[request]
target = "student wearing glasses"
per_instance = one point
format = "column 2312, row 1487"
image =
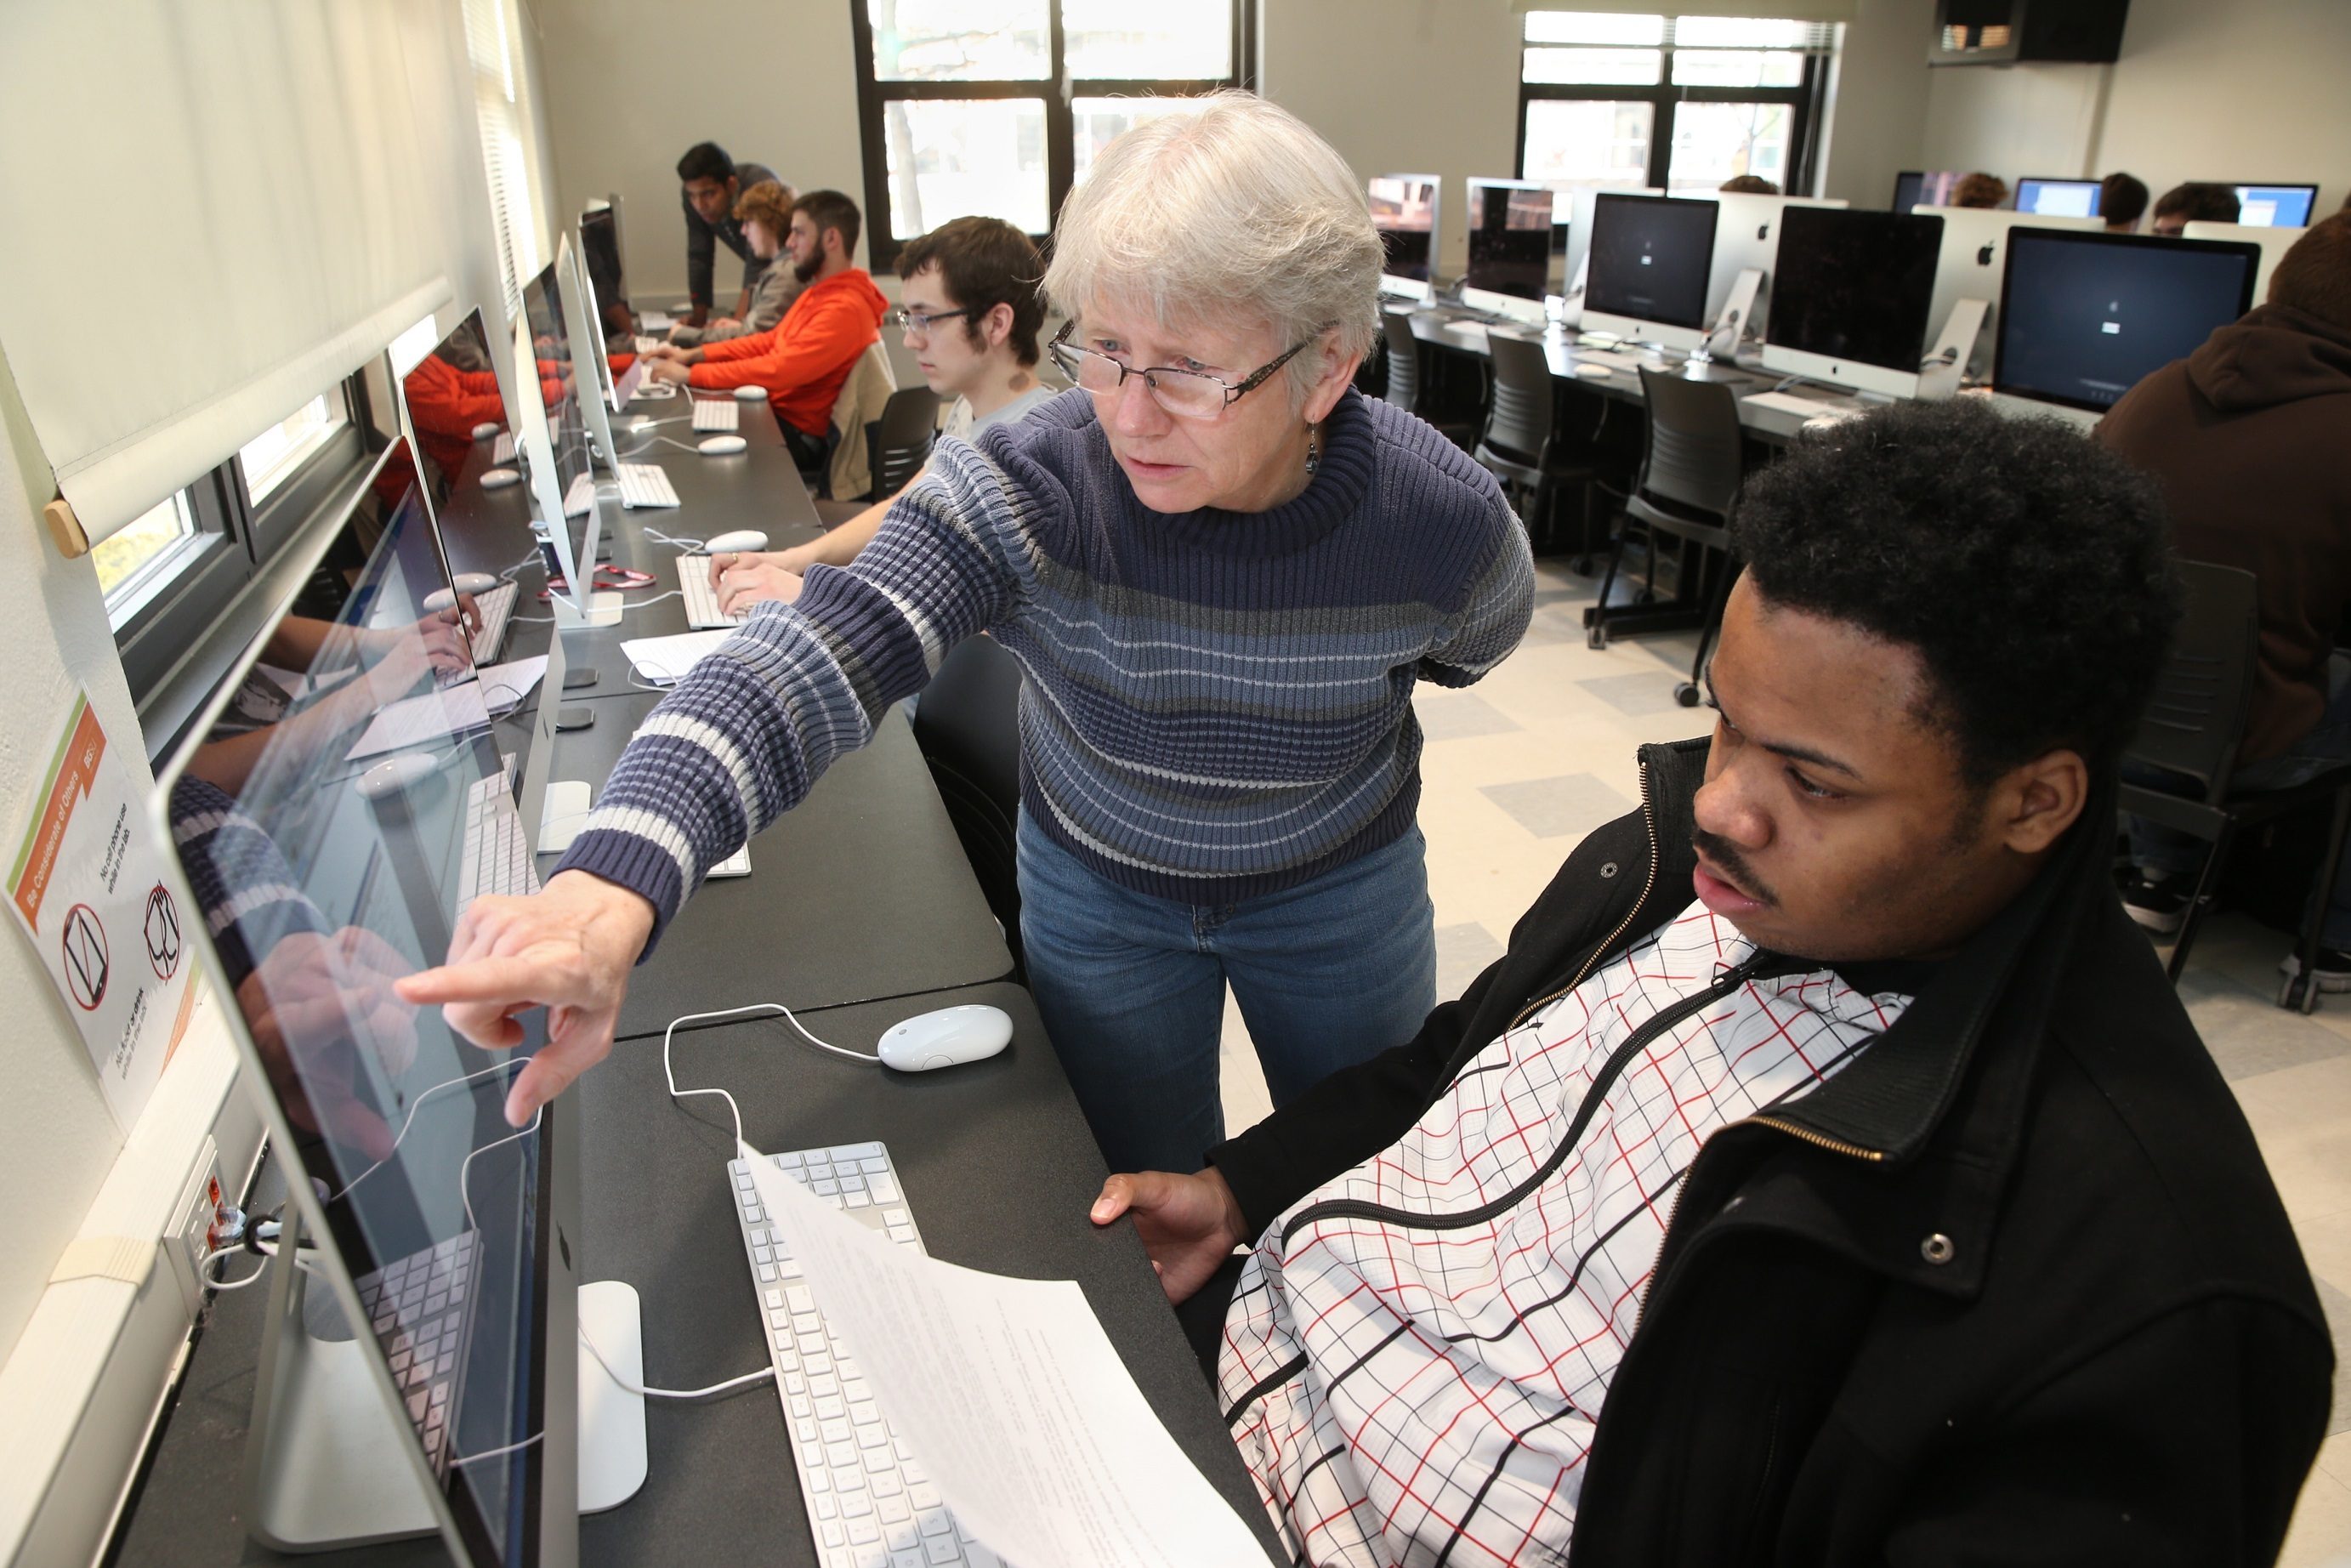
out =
column 1223, row 571
column 970, row 312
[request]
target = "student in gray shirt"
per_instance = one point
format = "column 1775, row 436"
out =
column 710, row 183
column 765, row 213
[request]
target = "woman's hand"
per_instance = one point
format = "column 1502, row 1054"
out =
column 567, row 948
column 1189, row 1224
column 742, row 580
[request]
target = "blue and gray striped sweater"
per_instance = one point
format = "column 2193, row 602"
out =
column 1217, row 705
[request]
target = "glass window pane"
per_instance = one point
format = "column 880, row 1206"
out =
column 950, row 158
column 1593, row 27
column 1713, row 141
column 1741, row 33
column 1737, row 68
column 122, row 556
column 271, row 457
column 1573, row 142
column 1173, row 40
column 1096, row 120
column 960, row 40
column 1615, row 67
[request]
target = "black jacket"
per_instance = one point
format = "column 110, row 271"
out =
column 2012, row 1287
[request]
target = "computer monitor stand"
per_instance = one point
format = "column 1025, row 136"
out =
column 327, row 1464
column 1941, row 371
column 603, row 609
column 1731, row 322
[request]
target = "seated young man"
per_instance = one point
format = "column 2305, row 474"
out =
column 804, row 359
column 765, row 213
column 2197, row 202
column 971, row 313
column 1826, row 1174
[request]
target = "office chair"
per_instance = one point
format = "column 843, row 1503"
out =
column 900, row 441
column 1405, row 390
column 967, row 722
column 1516, row 446
column 2193, row 725
column 1690, row 480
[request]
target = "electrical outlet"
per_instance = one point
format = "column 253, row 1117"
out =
column 194, row 1224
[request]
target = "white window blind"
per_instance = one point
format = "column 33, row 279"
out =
column 500, row 113
column 213, row 214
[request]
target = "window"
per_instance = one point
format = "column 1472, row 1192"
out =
column 1679, row 103
column 1000, row 107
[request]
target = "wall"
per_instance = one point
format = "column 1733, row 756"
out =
column 1874, row 128
column 630, row 88
column 2251, row 89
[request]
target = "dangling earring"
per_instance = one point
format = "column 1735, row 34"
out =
column 1313, row 455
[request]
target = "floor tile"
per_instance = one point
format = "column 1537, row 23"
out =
column 1553, row 808
column 2320, row 1536
column 2247, row 1033
column 1456, row 715
column 1463, row 952
column 1642, row 693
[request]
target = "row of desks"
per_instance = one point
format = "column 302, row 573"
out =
column 860, row 912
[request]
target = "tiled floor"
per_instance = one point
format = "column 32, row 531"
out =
column 1520, row 767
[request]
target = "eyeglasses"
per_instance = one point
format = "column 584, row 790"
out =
column 1188, row 394
column 919, row 321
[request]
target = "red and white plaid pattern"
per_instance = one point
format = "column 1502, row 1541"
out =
column 1452, row 1377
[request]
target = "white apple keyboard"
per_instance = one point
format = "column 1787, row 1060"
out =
column 642, row 484
column 701, row 600
column 870, row 1503
column 720, row 414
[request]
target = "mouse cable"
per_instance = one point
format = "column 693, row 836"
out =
column 670, row 1033
column 764, row 1374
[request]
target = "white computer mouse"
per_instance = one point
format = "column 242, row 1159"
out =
column 1596, row 372
column 499, row 478
column 737, row 542
column 946, row 1037
column 749, row 394
column 402, row 771
column 721, row 445
column 485, row 430
column 475, row 581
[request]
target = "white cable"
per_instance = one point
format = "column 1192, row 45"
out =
column 465, row 1166
column 689, row 545
column 670, row 1033
column 765, row 1373
column 641, row 450
column 496, row 1453
column 509, row 1065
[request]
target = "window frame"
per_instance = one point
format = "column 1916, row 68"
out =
column 1056, row 90
column 1806, row 98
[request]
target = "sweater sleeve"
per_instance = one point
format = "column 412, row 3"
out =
column 750, row 730
column 701, row 251
column 810, row 343
column 1493, row 616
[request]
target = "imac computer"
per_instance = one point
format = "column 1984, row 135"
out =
column 2046, row 198
column 1849, row 302
column 1746, row 239
column 2274, row 206
column 1975, row 249
column 419, row 1372
column 606, row 293
column 2273, row 242
column 565, row 333
column 1572, row 208
column 2086, row 316
column 1646, row 277
column 1404, row 211
column 553, row 440
column 1509, row 248
column 1913, row 188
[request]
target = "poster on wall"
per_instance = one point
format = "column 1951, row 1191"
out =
column 86, row 886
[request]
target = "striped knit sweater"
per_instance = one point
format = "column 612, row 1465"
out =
column 1217, row 705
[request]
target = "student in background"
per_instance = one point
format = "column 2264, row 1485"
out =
column 803, row 359
column 2246, row 436
column 2197, row 202
column 709, row 184
column 2122, row 202
column 970, row 312
column 1750, row 186
column 765, row 213
column 1980, row 190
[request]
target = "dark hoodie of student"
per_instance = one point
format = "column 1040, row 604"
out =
column 2247, row 436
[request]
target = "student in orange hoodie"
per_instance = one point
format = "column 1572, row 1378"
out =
column 805, row 357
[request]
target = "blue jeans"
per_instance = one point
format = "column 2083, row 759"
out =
column 2158, row 848
column 1132, row 987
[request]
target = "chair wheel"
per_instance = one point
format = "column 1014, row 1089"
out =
column 1647, row 596
column 1686, row 693
column 1581, row 566
column 1597, row 636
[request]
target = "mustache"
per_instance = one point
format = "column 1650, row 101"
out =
column 1723, row 855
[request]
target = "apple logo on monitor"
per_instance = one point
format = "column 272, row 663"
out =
column 1983, row 256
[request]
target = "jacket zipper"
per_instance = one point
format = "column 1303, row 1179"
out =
column 1648, row 822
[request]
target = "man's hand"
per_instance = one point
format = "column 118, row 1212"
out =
column 664, row 351
column 743, row 581
column 723, row 322
column 567, row 948
column 1189, row 1224
column 668, row 369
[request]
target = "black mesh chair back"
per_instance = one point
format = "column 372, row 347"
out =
column 1518, row 420
column 1404, row 360
column 900, row 440
column 967, row 722
column 2197, row 712
column 1693, row 461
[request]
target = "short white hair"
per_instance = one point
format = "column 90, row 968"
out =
column 1233, row 209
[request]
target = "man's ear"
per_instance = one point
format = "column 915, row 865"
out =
column 2037, row 801
column 996, row 325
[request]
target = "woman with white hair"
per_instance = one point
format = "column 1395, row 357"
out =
column 1222, row 571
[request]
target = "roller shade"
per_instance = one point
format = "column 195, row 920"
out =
column 214, row 212
column 1790, row 10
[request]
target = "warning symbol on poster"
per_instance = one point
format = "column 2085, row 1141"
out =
column 85, row 945
column 163, row 944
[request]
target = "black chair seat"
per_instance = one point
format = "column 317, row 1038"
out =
column 968, row 723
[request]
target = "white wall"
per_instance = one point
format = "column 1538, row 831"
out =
column 1874, row 128
column 628, row 88
column 2249, row 90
